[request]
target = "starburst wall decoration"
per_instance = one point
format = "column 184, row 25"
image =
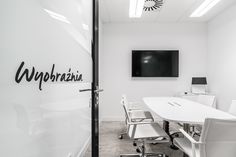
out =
column 153, row 5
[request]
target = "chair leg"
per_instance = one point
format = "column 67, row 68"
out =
column 121, row 136
column 155, row 155
column 130, row 155
column 142, row 152
column 134, row 143
column 172, row 136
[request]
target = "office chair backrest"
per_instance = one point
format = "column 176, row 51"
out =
column 208, row 100
column 124, row 103
column 232, row 108
column 219, row 138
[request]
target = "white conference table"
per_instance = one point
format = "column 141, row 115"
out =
column 174, row 109
column 180, row 110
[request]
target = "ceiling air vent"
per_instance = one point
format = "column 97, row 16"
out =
column 153, row 5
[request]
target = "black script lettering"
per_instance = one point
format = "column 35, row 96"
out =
column 46, row 77
column 28, row 77
column 79, row 77
column 39, row 75
column 73, row 77
column 57, row 76
column 68, row 75
column 52, row 76
column 42, row 77
column 63, row 76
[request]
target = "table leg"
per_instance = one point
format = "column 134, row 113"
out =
column 166, row 127
column 186, row 128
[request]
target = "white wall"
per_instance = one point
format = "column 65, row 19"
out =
column 221, row 65
column 120, row 39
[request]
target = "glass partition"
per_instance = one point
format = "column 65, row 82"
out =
column 45, row 59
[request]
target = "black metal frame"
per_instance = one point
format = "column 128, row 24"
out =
column 95, row 107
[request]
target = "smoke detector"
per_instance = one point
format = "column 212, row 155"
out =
column 153, row 5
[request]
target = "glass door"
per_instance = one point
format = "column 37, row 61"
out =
column 45, row 59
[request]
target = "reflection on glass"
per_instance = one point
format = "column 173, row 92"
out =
column 57, row 16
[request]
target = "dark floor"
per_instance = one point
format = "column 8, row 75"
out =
column 111, row 146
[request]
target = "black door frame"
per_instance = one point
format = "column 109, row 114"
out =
column 95, row 84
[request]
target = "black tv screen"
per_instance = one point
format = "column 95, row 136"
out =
column 155, row 63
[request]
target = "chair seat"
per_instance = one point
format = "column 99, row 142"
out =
column 150, row 131
column 185, row 145
column 140, row 115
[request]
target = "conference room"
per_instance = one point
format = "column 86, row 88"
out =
column 167, row 70
column 118, row 78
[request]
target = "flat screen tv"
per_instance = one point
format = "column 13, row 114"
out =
column 155, row 63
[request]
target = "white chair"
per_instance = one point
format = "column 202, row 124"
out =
column 208, row 100
column 144, row 132
column 218, row 139
column 136, row 114
column 232, row 108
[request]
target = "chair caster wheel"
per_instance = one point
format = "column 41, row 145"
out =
column 121, row 137
column 173, row 147
column 138, row 150
column 134, row 144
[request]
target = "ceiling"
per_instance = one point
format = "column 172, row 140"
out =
column 117, row 11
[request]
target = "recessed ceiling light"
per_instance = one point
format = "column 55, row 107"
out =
column 136, row 8
column 204, row 8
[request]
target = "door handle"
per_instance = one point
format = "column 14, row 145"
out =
column 87, row 90
column 98, row 90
